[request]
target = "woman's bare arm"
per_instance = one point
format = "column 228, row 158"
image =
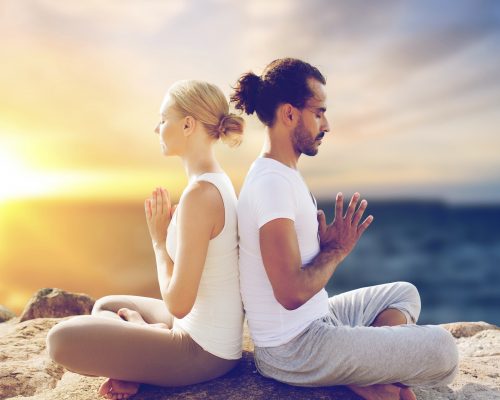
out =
column 199, row 217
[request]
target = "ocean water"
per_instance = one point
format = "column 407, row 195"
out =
column 450, row 253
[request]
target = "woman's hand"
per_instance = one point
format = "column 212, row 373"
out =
column 158, row 215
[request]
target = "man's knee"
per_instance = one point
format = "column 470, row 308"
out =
column 411, row 298
column 445, row 355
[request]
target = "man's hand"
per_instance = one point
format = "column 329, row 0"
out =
column 159, row 212
column 343, row 233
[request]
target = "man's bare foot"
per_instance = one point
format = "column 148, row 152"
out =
column 383, row 392
column 133, row 316
column 116, row 389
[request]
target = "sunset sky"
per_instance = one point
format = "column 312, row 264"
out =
column 413, row 92
column 413, row 102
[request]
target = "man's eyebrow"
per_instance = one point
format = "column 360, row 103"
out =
column 322, row 109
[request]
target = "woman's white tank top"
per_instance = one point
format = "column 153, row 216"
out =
column 216, row 320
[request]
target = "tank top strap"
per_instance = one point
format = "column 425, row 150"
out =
column 220, row 180
column 223, row 184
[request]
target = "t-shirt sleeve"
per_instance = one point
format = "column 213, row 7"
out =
column 273, row 198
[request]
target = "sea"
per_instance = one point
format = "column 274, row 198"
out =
column 451, row 253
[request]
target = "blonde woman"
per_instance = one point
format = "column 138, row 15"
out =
column 194, row 333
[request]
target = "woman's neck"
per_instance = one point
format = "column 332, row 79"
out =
column 200, row 162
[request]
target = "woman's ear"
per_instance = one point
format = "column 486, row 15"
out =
column 188, row 126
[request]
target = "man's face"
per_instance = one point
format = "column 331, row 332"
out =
column 312, row 124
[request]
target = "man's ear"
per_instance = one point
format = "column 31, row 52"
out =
column 288, row 114
column 188, row 126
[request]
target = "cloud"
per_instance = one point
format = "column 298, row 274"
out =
column 82, row 82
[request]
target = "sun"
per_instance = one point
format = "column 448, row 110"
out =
column 16, row 178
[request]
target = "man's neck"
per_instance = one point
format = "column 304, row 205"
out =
column 279, row 147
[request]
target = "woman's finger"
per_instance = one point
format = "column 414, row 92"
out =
column 167, row 197
column 155, row 203
column 147, row 208
column 162, row 206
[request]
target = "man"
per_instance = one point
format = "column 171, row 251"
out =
column 367, row 338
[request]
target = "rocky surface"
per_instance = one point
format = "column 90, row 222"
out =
column 56, row 303
column 26, row 371
column 5, row 314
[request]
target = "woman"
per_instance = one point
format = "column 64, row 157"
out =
column 194, row 333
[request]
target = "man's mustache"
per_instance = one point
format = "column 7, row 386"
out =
column 320, row 136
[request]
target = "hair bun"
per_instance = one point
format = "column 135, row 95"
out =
column 222, row 124
column 230, row 129
column 246, row 92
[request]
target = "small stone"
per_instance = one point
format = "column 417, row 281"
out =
column 56, row 303
column 467, row 329
column 5, row 314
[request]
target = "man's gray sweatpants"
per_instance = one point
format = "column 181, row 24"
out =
column 342, row 349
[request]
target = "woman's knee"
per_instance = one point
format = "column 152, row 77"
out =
column 103, row 303
column 58, row 341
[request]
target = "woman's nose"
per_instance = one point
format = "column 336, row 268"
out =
column 156, row 128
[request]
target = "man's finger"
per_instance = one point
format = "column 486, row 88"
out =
column 359, row 212
column 339, row 205
column 366, row 223
column 321, row 222
column 352, row 206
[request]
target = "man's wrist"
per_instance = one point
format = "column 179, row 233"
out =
column 335, row 254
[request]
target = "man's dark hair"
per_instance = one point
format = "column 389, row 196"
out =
column 282, row 81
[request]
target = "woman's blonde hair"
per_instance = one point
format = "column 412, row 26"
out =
column 207, row 104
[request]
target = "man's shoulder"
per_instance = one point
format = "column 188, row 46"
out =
column 262, row 171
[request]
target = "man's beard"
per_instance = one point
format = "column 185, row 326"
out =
column 303, row 143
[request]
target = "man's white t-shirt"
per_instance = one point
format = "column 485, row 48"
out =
column 272, row 190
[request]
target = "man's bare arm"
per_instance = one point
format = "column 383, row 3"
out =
column 293, row 283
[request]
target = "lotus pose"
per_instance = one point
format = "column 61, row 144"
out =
column 194, row 333
column 366, row 338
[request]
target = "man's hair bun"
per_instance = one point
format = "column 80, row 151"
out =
column 246, row 92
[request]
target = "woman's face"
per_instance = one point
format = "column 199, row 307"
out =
column 172, row 140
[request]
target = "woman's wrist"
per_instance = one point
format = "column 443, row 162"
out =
column 160, row 246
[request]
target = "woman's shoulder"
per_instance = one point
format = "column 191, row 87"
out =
column 202, row 195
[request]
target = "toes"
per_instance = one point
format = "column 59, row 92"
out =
column 408, row 394
column 104, row 388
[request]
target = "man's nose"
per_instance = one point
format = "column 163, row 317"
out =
column 157, row 128
column 326, row 126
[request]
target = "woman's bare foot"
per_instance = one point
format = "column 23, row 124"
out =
column 133, row 316
column 116, row 389
column 383, row 392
